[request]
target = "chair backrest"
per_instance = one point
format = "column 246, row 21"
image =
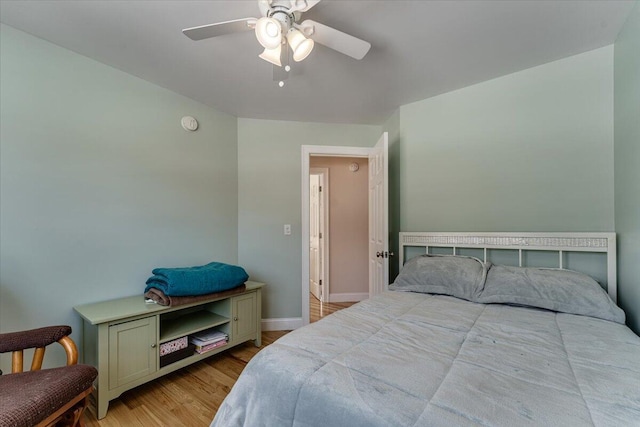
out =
column 38, row 339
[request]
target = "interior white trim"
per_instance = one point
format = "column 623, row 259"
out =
column 349, row 297
column 557, row 242
column 281, row 324
column 306, row 152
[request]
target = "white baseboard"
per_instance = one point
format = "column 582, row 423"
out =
column 355, row 297
column 281, row 324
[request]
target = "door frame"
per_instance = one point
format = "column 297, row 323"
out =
column 307, row 152
column 324, row 229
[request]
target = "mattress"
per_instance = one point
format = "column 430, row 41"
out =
column 411, row 359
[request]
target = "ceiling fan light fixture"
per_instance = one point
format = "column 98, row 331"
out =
column 300, row 45
column 272, row 55
column 269, row 32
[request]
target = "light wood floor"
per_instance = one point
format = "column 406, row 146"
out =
column 191, row 396
column 188, row 397
column 318, row 310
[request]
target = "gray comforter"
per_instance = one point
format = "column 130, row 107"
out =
column 405, row 359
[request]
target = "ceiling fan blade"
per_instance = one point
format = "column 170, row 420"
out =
column 305, row 4
column 219, row 28
column 335, row 39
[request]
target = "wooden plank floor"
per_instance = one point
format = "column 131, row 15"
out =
column 318, row 310
column 191, row 396
column 188, row 397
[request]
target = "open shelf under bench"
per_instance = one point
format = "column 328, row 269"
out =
column 191, row 323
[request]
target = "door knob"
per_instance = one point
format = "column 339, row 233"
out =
column 153, row 345
column 378, row 254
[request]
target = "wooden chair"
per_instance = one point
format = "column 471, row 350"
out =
column 43, row 397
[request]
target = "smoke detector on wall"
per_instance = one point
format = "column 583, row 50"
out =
column 189, row 123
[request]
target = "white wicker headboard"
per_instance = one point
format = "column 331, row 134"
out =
column 522, row 243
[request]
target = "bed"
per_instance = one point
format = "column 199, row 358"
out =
column 459, row 340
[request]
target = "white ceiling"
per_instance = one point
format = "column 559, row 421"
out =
column 419, row 49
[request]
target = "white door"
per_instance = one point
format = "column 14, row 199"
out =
column 314, row 236
column 378, row 217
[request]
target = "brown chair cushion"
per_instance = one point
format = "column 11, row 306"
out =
column 27, row 398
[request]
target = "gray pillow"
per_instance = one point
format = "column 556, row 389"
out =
column 565, row 291
column 459, row 276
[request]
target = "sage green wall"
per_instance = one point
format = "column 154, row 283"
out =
column 269, row 187
column 99, row 183
column 392, row 126
column 627, row 165
column 530, row 151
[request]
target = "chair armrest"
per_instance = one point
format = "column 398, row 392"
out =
column 34, row 338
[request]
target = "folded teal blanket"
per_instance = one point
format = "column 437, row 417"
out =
column 200, row 280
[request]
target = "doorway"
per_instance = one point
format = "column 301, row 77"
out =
column 378, row 262
column 338, row 232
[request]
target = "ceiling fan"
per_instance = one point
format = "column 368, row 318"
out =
column 280, row 26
